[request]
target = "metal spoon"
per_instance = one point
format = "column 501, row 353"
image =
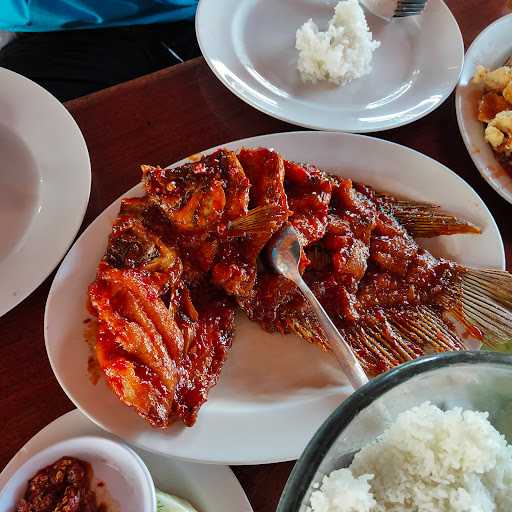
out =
column 284, row 255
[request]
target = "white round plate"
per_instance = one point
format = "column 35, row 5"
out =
column 274, row 391
column 250, row 46
column 45, row 181
column 208, row 488
column 491, row 49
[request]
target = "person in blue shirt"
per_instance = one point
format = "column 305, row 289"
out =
column 75, row 47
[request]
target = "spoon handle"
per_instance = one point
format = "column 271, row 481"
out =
column 341, row 349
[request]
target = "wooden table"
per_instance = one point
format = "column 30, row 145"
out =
column 161, row 118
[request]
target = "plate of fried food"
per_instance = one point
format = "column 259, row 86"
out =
column 332, row 65
column 166, row 327
column 484, row 105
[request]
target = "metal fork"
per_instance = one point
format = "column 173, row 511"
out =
column 284, row 255
column 409, row 8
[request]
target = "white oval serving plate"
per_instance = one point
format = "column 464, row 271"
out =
column 274, row 391
column 208, row 488
column 491, row 49
column 45, row 181
column 250, row 46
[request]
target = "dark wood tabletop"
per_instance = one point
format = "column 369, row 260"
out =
column 159, row 119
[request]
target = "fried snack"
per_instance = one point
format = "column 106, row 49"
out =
column 495, row 108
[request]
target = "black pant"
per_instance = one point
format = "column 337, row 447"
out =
column 73, row 63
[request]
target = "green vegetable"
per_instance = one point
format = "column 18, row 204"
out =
column 168, row 503
column 504, row 347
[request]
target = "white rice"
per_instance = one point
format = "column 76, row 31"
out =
column 427, row 461
column 342, row 53
column 342, row 492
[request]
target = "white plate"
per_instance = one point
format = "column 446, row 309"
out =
column 274, row 391
column 208, row 488
column 491, row 49
column 250, row 46
column 45, row 179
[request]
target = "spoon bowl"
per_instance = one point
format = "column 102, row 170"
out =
column 284, row 252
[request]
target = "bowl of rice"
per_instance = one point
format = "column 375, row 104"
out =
column 432, row 435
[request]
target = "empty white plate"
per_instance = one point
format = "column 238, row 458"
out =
column 491, row 49
column 274, row 391
column 45, row 179
column 208, row 488
column 250, row 46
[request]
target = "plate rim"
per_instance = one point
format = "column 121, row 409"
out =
column 318, row 126
column 24, row 292
column 243, row 460
column 501, row 191
column 24, row 453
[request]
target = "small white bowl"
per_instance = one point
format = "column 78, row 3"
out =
column 126, row 478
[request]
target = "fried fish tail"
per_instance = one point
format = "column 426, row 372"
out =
column 486, row 300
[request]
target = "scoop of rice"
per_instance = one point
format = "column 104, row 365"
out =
column 342, row 53
column 342, row 492
column 427, row 461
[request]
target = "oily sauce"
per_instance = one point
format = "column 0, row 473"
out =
column 64, row 486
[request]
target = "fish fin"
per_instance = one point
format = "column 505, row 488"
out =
column 486, row 297
column 374, row 356
column 308, row 329
column 258, row 220
column 425, row 328
column 427, row 220
column 389, row 338
column 401, row 335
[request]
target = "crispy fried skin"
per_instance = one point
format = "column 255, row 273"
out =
column 491, row 104
column 199, row 196
column 309, row 193
column 208, row 349
column 138, row 342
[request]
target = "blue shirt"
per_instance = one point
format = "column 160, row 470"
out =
column 50, row 15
